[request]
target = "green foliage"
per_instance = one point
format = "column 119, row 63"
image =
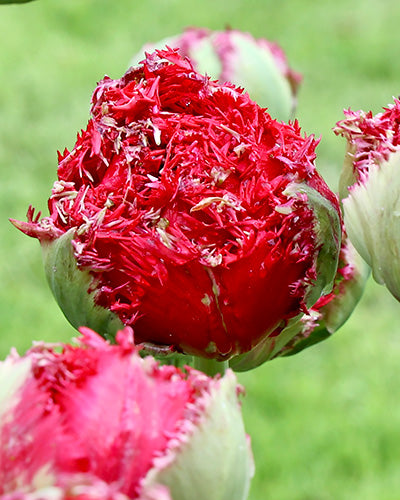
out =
column 325, row 424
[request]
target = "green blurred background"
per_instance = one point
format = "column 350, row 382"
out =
column 325, row 424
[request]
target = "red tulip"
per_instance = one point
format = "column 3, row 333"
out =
column 187, row 212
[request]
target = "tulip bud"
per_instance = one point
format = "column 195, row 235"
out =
column 192, row 215
column 370, row 189
column 97, row 421
column 257, row 65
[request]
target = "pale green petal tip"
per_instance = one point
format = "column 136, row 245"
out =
column 70, row 288
column 348, row 176
column 214, row 460
column 13, row 375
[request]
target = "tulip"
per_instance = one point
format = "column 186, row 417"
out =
column 370, row 190
column 98, row 421
column 258, row 65
column 185, row 211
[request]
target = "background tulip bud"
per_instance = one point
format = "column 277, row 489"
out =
column 257, row 65
column 98, row 421
column 194, row 216
column 370, row 190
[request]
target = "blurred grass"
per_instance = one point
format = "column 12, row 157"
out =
column 325, row 424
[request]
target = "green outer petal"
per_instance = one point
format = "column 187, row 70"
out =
column 372, row 220
column 267, row 349
column 70, row 288
column 336, row 312
column 329, row 235
column 318, row 335
column 215, row 461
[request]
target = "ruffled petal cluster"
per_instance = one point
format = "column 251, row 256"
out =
column 97, row 421
column 370, row 188
column 370, row 141
column 193, row 215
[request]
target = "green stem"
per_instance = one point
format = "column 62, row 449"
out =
column 210, row 366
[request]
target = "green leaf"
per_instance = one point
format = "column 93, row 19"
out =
column 14, row 1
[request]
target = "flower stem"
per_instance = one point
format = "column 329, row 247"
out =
column 210, row 367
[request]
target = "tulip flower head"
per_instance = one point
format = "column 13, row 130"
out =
column 97, row 421
column 258, row 65
column 370, row 189
column 185, row 211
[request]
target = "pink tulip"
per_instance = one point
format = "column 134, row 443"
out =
column 97, row 421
